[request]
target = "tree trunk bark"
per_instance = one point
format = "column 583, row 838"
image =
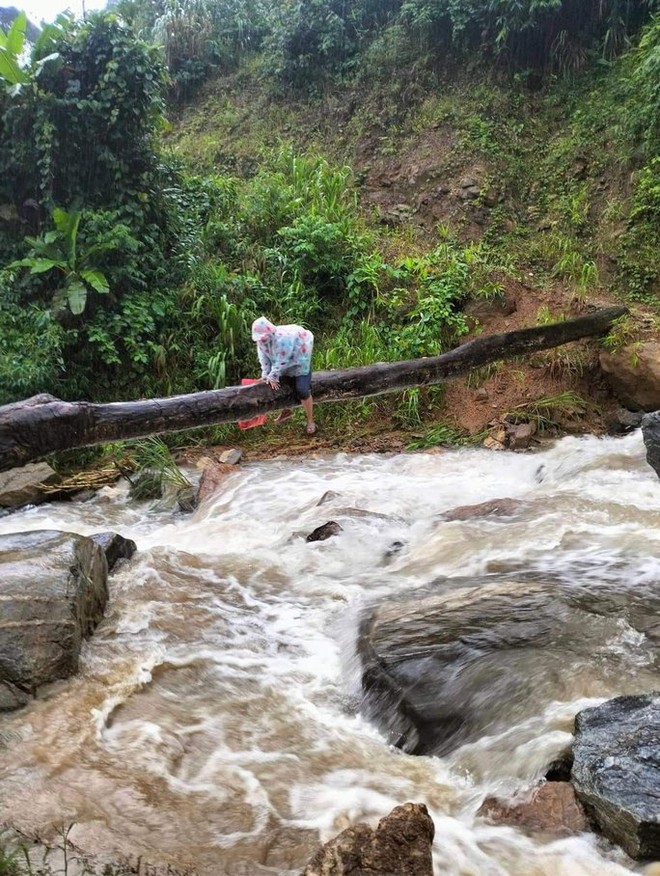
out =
column 44, row 424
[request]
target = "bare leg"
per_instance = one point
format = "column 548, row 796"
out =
column 308, row 406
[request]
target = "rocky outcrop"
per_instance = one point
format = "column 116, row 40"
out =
column 401, row 845
column 53, row 592
column 115, row 547
column 443, row 668
column 634, row 374
column 551, row 808
column 24, row 486
column 651, row 434
column 616, row 768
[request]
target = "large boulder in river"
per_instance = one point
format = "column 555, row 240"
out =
column 401, row 845
column 53, row 592
column 443, row 668
column 616, row 771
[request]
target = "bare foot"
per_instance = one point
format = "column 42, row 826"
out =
column 311, row 429
column 285, row 415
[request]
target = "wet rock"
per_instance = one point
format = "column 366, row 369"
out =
column 551, row 808
column 560, row 769
column 12, row 697
column 616, row 768
column 327, row 530
column 464, row 657
column 213, row 475
column 519, row 435
column 286, row 845
column 186, row 500
column 328, row 496
column 53, row 590
column 651, row 434
column 115, row 547
column 395, row 548
column 634, row 374
column 626, row 420
column 491, row 508
column 231, row 457
column 23, row 486
column 401, row 845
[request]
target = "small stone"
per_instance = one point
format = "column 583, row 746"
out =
column 231, row 457
column 552, row 808
column 327, row 530
column 519, row 436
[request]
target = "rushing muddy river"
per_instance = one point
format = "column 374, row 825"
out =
column 215, row 723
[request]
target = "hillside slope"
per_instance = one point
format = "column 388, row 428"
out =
column 536, row 179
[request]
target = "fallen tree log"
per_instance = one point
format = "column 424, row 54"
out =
column 44, row 424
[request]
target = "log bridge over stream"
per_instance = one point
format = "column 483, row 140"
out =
column 43, row 424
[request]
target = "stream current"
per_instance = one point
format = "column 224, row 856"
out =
column 215, row 722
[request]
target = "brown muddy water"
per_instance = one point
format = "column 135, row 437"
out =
column 215, row 724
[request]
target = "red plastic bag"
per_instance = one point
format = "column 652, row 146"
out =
column 260, row 419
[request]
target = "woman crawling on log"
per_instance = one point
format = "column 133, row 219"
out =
column 285, row 351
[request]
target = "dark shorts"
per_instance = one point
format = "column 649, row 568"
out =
column 302, row 386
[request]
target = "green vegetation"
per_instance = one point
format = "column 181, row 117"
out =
column 548, row 411
column 158, row 474
column 9, row 865
column 135, row 255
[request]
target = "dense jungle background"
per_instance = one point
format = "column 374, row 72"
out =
column 397, row 176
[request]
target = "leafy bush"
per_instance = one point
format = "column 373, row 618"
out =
column 32, row 343
column 86, row 134
column 638, row 250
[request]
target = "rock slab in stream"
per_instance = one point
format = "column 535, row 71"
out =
column 443, row 668
column 616, row 771
column 53, row 592
column 401, row 845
